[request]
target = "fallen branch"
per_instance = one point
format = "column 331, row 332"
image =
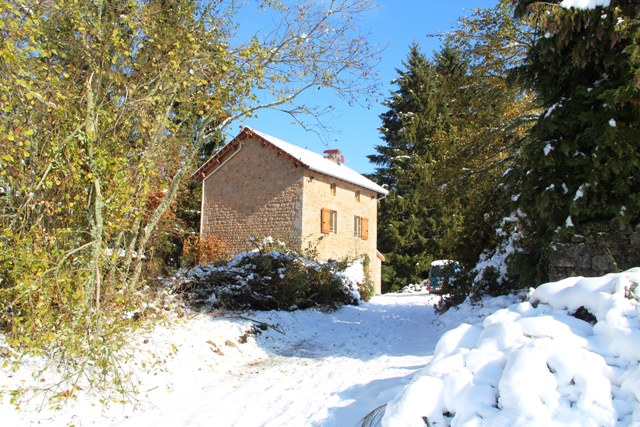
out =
column 261, row 325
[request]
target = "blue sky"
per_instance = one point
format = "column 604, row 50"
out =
column 395, row 24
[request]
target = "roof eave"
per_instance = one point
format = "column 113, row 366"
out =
column 375, row 187
column 203, row 171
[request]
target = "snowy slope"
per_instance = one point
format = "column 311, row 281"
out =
column 566, row 357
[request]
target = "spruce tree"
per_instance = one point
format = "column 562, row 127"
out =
column 411, row 220
column 580, row 167
column 453, row 128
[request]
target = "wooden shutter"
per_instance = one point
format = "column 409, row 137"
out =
column 365, row 228
column 325, row 221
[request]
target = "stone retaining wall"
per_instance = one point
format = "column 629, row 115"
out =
column 595, row 254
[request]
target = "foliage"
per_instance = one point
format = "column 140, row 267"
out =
column 366, row 288
column 579, row 167
column 265, row 279
column 197, row 251
column 373, row 418
column 453, row 128
column 410, row 219
column 175, row 242
column 491, row 128
column 104, row 106
column 455, row 290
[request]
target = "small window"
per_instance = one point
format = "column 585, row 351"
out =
column 361, row 227
column 334, row 222
column 358, row 196
column 328, row 221
column 333, row 189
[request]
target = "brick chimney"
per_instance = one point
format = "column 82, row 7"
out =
column 334, row 155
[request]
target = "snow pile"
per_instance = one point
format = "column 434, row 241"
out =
column 473, row 313
column 567, row 357
column 416, row 287
column 352, row 276
column 584, row 4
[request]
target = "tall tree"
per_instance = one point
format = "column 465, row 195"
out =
column 410, row 219
column 580, row 167
column 473, row 117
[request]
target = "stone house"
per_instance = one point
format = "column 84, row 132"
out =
column 259, row 186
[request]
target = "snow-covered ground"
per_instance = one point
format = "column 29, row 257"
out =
column 566, row 354
column 323, row 370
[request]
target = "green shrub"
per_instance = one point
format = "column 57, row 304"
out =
column 365, row 288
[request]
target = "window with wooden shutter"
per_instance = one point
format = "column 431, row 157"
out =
column 361, row 227
column 334, row 222
column 325, row 218
column 365, row 228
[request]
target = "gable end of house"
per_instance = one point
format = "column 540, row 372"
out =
column 211, row 165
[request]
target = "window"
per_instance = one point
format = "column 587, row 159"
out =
column 361, row 227
column 334, row 222
column 333, row 189
column 328, row 221
column 358, row 196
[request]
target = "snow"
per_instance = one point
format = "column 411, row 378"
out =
column 325, row 369
column 498, row 258
column 580, row 193
column 552, row 108
column 441, row 262
column 537, row 362
column 584, row 4
column 318, row 163
column 564, row 354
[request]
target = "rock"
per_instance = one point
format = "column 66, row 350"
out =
column 626, row 229
column 602, row 264
column 578, row 238
column 571, row 256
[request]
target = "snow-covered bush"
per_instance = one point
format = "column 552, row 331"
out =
column 275, row 280
column 490, row 275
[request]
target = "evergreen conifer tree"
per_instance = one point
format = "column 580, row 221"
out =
column 414, row 129
column 453, row 128
column 580, row 167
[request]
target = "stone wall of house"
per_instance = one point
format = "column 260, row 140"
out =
column 595, row 254
column 343, row 243
column 254, row 193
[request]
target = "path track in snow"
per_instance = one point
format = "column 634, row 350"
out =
column 328, row 370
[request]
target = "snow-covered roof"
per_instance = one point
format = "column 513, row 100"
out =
column 309, row 159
